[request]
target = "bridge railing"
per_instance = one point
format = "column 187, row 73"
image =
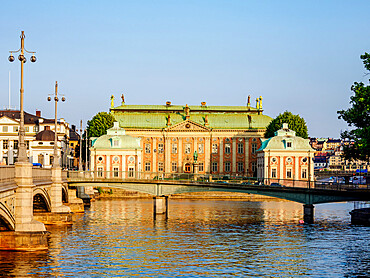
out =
column 41, row 175
column 208, row 178
column 330, row 184
column 136, row 175
column 7, row 174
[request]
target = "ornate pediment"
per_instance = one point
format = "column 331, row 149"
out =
column 188, row 126
column 7, row 120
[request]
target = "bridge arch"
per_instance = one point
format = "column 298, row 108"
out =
column 41, row 200
column 65, row 196
column 7, row 222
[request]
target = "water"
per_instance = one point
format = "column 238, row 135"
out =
column 201, row 238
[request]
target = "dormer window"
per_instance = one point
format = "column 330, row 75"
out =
column 115, row 143
column 288, row 143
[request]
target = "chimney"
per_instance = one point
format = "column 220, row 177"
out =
column 38, row 113
column 203, row 103
column 168, row 103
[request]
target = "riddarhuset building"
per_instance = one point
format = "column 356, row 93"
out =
column 222, row 139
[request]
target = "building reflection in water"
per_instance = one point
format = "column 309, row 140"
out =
column 200, row 238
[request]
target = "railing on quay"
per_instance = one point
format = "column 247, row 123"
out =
column 117, row 176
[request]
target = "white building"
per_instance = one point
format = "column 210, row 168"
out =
column 286, row 159
column 9, row 127
column 116, row 154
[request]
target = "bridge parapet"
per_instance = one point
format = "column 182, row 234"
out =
column 40, row 175
column 7, row 175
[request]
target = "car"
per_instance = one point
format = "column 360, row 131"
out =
column 276, row 184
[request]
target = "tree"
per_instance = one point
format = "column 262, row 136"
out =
column 295, row 123
column 99, row 124
column 358, row 117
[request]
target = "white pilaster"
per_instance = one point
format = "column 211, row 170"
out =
column 221, row 150
column 154, row 161
column 233, row 157
column 207, row 155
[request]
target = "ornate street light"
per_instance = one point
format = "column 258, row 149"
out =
column 22, row 151
column 80, row 159
column 56, row 99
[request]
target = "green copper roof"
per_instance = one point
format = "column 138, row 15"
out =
column 283, row 136
column 116, row 133
column 219, row 117
column 125, row 142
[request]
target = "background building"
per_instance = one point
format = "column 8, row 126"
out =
column 9, row 127
column 225, row 138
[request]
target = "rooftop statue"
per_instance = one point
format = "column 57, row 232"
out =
column 112, row 101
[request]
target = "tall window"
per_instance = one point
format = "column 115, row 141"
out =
column 130, row 172
column 201, row 167
column 27, row 129
column 214, row 148
column 240, row 167
column 201, row 148
column 187, row 148
column 227, row 167
column 115, row 172
column 5, row 144
column 15, row 146
column 304, row 173
column 227, row 148
column 100, row 172
column 36, row 129
column 147, row 148
column 174, row 147
column 214, row 167
column 273, row 173
column 5, row 129
column 254, row 166
column 40, row 159
column 160, row 166
column 254, row 147
column 15, row 129
column 51, row 159
column 147, row 166
column 160, row 148
column 289, row 173
column 240, row 148
column 174, row 166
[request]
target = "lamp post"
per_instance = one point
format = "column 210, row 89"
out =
column 86, row 148
column 56, row 99
column 80, row 160
column 22, row 152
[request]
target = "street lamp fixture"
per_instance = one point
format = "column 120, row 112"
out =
column 22, row 151
column 56, row 99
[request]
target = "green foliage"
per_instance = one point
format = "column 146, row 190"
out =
column 295, row 123
column 358, row 117
column 99, row 124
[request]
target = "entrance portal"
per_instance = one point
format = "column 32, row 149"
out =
column 187, row 168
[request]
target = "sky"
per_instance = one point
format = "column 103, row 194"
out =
column 300, row 56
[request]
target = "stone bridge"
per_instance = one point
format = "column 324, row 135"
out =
column 28, row 194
